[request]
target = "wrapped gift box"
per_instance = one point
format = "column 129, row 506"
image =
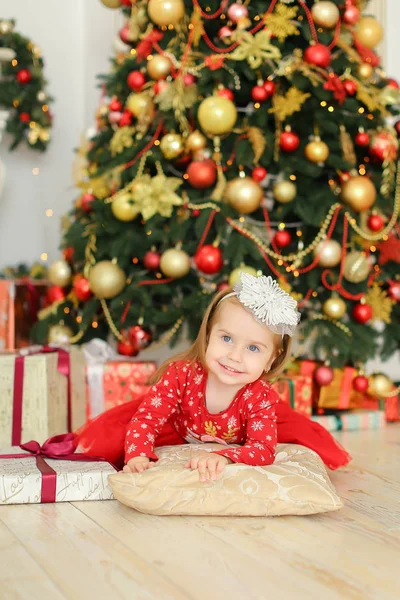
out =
column 296, row 387
column 116, row 382
column 41, row 395
column 353, row 420
column 20, row 301
column 22, row 479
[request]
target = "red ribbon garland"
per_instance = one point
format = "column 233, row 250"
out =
column 60, row 447
column 63, row 366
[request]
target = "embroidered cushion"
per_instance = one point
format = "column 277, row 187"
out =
column 296, row 484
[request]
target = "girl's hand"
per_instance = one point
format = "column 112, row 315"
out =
column 138, row 464
column 209, row 465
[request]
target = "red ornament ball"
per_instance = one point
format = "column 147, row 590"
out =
column 68, row 253
column 362, row 313
column 55, row 293
column 151, row 260
column 196, row 212
column 282, row 238
column 375, row 222
column 24, row 76
column 383, row 147
column 224, row 32
column 139, row 337
column 237, row 11
column 136, row 80
column 362, row 139
column 289, row 141
column 125, row 35
column 259, row 173
column 126, row 349
column 318, row 55
column 344, row 176
column 24, row 117
column 224, row 285
column 351, row 15
column 323, row 375
column 82, row 289
column 160, row 86
column 86, row 202
column 393, row 83
column 226, row 93
column 189, row 79
column 201, row 173
column 126, row 2
column 350, row 86
column 270, row 87
column 397, row 127
column 126, row 119
column 259, row 93
column 360, row 383
column 209, row 259
column 115, row 105
column 394, row 290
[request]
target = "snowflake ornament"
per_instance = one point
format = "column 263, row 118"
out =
column 268, row 302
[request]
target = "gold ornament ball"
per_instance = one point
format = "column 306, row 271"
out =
column 365, row 71
column 106, row 279
column 369, row 32
column 196, row 141
column 171, row 145
column 217, row 115
column 111, row 3
column 159, row 67
column 60, row 273
column 316, row 151
column 329, row 252
column 285, row 191
column 334, row 308
column 359, row 193
column 123, row 208
column 380, row 385
column 175, row 263
column 356, row 267
column 234, row 277
column 325, row 14
column 244, row 194
column 166, row 12
column 140, row 104
column 59, row 334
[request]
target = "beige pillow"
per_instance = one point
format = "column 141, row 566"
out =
column 296, row 484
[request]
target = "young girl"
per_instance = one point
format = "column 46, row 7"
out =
column 218, row 391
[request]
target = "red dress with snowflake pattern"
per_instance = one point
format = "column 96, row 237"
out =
column 174, row 411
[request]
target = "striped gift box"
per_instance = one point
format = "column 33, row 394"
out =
column 352, row 421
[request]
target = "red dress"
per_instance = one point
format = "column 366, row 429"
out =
column 174, row 411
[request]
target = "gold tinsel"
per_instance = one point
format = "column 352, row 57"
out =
column 198, row 29
column 219, row 189
column 156, row 195
column 284, row 106
column 380, row 303
column 388, row 178
column 122, row 138
column 346, row 142
column 257, row 140
column 37, row 132
column 280, row 22
column 97, row 186
column 178, row 97
column 256, row 49
column 370, row 97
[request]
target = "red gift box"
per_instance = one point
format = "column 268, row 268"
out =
column 20, row 301
column 296, row 390
column 116, row 382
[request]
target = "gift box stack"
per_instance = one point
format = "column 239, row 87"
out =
column 338, row 406
column 42, row 395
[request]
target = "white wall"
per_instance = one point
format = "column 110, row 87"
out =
column 76, row 41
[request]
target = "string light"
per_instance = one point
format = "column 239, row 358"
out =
column 79, row 319
column 14, row 62
column 95, row 324
column 49, row 212
column 43, row 256
column 66, row 310
column 35, row 171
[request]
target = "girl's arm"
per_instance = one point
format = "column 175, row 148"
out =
column 261, row 438
column 161, row 401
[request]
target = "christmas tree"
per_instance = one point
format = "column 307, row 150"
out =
column 257, row 136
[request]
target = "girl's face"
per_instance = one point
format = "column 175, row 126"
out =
column 239, row 349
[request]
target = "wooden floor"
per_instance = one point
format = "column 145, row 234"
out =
column 96, row 550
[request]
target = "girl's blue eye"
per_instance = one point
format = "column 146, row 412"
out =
column 226, row 338
column 254, row 348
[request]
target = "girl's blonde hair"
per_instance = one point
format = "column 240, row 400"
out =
column 197, row 351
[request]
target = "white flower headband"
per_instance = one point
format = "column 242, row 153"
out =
column 268, row 302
